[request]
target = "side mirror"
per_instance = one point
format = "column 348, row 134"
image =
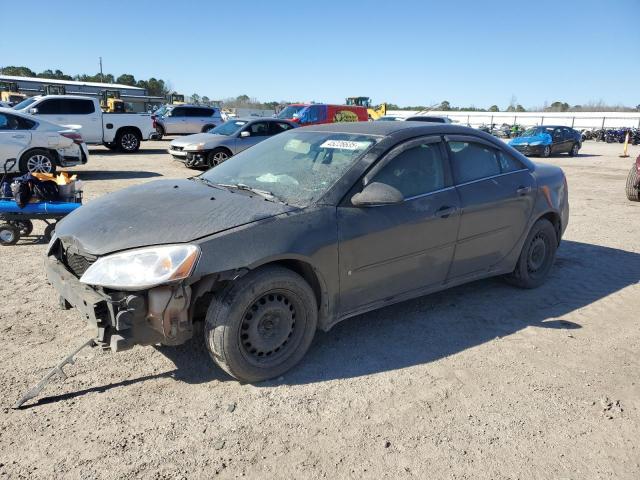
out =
column 33, row 111
column 245, row 134
column 376, row 194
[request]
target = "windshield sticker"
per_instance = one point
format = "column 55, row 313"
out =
column 345, row 145
column 297, row 146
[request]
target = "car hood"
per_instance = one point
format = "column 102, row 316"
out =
column 545, row 138
column 206, row 138
column 160, row 212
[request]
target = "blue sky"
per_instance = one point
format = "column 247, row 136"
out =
column 403, row 52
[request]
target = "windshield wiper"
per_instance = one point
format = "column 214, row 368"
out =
column 206, row 181
column 246, row 188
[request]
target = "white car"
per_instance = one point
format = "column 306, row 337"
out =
column 38, row 145
column 123, row 131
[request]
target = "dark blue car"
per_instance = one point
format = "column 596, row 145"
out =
column 545, row 140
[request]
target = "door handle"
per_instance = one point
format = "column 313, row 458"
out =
column 445, row 212
column 17, row 136
column 523, row 190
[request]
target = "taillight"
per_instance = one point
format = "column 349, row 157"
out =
column 76, row 137
column 155, row 124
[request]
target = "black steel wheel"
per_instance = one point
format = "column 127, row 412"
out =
column 262, row 324
column 575, row 148
column 24, row 226
column 537, row 256
column 546, row 151
column 48, row 231
column 9, row 234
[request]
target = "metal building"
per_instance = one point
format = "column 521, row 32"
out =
column 136, row 98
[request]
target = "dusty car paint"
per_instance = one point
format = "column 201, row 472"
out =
column 355, row 259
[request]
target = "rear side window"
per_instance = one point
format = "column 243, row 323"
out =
column 198, row 112
column 11, row 122
column 415, row 171
column 473, row 161
column 76, row 107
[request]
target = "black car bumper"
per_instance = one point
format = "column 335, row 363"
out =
column 119, row 318
column 530, row 149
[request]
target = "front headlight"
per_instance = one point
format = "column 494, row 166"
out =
column 197, row 147
column 535, row 144
column 143, row 268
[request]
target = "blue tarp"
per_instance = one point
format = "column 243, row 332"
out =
column 44, row 208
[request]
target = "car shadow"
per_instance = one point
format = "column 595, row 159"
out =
column 432, row 327
column 114, row 174
column 142, row 151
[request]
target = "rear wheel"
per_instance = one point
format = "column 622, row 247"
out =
column 633, row 192
column 159, row 131
column 24, row 226
column 217, row 156
column 262, row 324
column 536, row 257
column 38, row 161
column 128, row 141
column 9, row 234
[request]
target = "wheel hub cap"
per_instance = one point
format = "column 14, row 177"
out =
column 537, row 254
column 6, row 236
column 39, row 164
column 129, row 141
column 267, row 326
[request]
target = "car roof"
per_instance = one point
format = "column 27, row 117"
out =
column 174, row 105
column 389, row 128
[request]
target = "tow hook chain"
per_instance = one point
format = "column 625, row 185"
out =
column 35, row 391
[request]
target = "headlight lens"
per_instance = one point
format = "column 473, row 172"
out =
column 196, row 147
column 535, row 144
column 143, row 268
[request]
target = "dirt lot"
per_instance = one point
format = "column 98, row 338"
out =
column 480, row 382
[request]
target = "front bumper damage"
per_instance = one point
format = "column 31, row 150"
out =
column 530, row 150
column 190, row 158
column 123, row 319
column 73, row 155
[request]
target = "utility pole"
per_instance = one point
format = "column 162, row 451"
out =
column 101, row 76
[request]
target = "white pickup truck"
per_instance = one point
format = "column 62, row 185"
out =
column 121, row 131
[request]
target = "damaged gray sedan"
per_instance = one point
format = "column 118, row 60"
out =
column 304, row 230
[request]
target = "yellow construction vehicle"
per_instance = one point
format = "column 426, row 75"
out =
column 374, row 112
column 111, row 102
column 54, row 90
column 176, row 99
column 9, row 92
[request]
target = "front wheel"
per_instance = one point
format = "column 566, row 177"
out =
column 128, row 142
column 574, row 150
column 536, row 257
column 633, row 192
column 262, row 324
column 546, row 151
column 217, row 156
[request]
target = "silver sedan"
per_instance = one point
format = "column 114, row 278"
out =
column 215, row 146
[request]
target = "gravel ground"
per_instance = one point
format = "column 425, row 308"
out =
column 483, row 381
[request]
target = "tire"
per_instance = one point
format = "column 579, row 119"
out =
column 38, row 160
column 546, row 151
column 206, row 128
column 217, row 156
column 160, row 132
column 9, row 234
column 575, row 148
column 537, row 256
column 24, row 226
column 128, row 141
column 261, row 325
column 633, row 193
column 48, row 231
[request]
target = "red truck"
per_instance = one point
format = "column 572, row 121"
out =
column 317, row 113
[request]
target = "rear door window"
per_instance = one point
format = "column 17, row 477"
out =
column 473, row 161
column 279, row 127
column 259, row 129
column 74, row 106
